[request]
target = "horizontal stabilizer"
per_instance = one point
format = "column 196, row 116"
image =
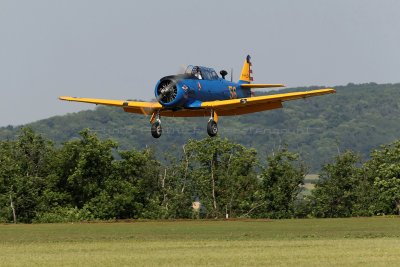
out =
column 253, row 85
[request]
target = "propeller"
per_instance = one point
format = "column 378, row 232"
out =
column 231, row 74
column 167, row 91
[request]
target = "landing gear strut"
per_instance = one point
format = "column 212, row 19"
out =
column 156, row 129
column 212, row 128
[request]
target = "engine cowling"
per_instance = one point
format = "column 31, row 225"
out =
column 169, row 92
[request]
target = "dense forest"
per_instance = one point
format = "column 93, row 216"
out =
column 81, row 180
column 103, row 164
column 357, row 118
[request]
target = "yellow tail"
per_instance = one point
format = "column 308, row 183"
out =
column 247, row 72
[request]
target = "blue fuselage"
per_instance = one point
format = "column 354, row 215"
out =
column 191, row 91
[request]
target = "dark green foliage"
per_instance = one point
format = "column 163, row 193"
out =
column 86, row 166
column 347, row 188
column 134, row 187
column 335, row 193
column 223, row 176
column 25, row 164
column 78, row 181
column 384, row 171
column 280, row 185
column 176, row 186
column 81, row 180
column 358, row 117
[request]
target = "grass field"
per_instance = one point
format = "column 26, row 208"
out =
column 355, row 241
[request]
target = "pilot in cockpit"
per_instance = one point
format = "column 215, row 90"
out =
column 196, row 72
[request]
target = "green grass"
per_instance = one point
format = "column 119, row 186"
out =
column 356, row 241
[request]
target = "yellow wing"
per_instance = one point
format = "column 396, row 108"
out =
column 146, row 108
column 221, row 107
column 259, row 103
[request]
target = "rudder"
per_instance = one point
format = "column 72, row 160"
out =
column 247, row 72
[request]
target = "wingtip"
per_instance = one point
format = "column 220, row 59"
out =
column 66, row 97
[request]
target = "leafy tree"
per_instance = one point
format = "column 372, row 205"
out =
column 384, row 169
column 335, row 192
column 8, row 170
column 81, row 180
column 133, row 191
column 84, row 166
column 223, row 176
column 175, row 185
column 25, row 164
column 280, row 185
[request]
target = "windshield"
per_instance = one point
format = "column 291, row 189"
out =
column 214, row 75
column 189, row 70
column 201, row 72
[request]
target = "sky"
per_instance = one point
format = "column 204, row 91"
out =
column 119, row 49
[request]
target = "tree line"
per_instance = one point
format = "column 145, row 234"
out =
column 89, row 179
column 355, row 116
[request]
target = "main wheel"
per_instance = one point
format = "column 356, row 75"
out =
column 212, row 128
column 156, row 129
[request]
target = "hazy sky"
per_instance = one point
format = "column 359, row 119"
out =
column 119, row 49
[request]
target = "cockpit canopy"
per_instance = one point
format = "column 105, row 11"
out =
column 201, row 73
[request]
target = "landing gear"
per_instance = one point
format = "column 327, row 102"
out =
column 156, row 129
column 212, row 128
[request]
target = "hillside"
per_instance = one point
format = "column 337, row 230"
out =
column 358, row 117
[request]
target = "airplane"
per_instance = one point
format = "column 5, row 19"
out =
column 200, row 92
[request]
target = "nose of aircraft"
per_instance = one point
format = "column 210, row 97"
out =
column 168, row 92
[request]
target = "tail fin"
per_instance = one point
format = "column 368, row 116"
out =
column 247, row 72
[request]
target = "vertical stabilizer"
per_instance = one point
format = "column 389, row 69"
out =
column 247, row 72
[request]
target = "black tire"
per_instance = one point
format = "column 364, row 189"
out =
column 156, row 129
column 212, row 128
